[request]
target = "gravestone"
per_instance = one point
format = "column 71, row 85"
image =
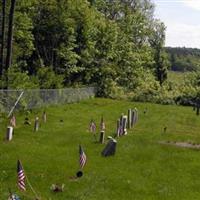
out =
column 36, row 125
column 124, row 124
column 9, row 133
column 134, row 117
column 129, row 118
column 118, row 132
column 102, row 137
column 110, row 148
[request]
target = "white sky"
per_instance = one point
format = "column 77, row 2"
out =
column 182, row 19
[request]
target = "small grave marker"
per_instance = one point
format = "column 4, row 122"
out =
column 102, row 137
column 129, row 118
column 9, row 133
column 36, row 125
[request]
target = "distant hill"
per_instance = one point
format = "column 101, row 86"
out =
column 184, row 59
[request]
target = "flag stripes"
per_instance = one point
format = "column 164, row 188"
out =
column 82, row 157
column 92, row 127
column 21, row 176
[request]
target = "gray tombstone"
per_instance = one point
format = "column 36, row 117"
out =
column 36, row 125
column 136, row 116
column 9, row 133
column 129, row 118
column 124, row 124
column 133, row 118
column 102, row 137
column 118, row 132
column 110, row 148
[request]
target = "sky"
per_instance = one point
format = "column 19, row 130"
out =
column 182, row 19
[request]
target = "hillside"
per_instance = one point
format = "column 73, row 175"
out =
column 141, row 169
column 184, row 59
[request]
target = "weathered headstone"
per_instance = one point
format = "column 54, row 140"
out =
column 133, row 118
column 9, row 133
column 129, row 118
column 119, row 128
column 110, row 148
column 102, row 137
column 36, row 125
column 124, row 124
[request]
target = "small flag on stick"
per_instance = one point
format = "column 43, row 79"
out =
column 102, row 125
column 82, row 157
column 92, row 126
column 13, row 121
column 21, row 176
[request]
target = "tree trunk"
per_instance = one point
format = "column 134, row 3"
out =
column 10, row 38
column 2, row 36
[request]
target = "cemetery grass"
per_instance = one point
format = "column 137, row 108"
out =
column 142, row 169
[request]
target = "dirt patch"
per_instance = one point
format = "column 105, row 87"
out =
column 182, row 144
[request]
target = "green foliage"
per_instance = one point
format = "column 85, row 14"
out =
column 48, row 79
column 20, row 80
column 184, row 59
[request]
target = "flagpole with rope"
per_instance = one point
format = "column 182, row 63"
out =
column 34, row 192
column 31, row 187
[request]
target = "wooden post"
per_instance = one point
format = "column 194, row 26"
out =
column 102, row 137
column 197, row 111
column 36, row 125
column 9, row 133
column 44, row 117
column 129, row 118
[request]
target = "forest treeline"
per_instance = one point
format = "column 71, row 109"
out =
column 183, row 59
column 59, row 43
column 116, row 45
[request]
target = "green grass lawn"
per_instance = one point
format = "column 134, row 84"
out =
column 142, row 169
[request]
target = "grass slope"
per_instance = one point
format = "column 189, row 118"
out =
column 142, row 169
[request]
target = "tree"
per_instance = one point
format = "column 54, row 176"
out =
column 10, row 37
column 2, row 36
column 157, row 41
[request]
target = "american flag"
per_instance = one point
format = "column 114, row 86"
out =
column 92, row 126
column 13, row 121
column 21, row 176
column 82, row 158
column 102, row 125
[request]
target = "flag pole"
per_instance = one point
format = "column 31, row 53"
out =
column 26, row 177
column 36, row 195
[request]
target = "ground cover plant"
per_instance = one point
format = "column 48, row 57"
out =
column 142, row 168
